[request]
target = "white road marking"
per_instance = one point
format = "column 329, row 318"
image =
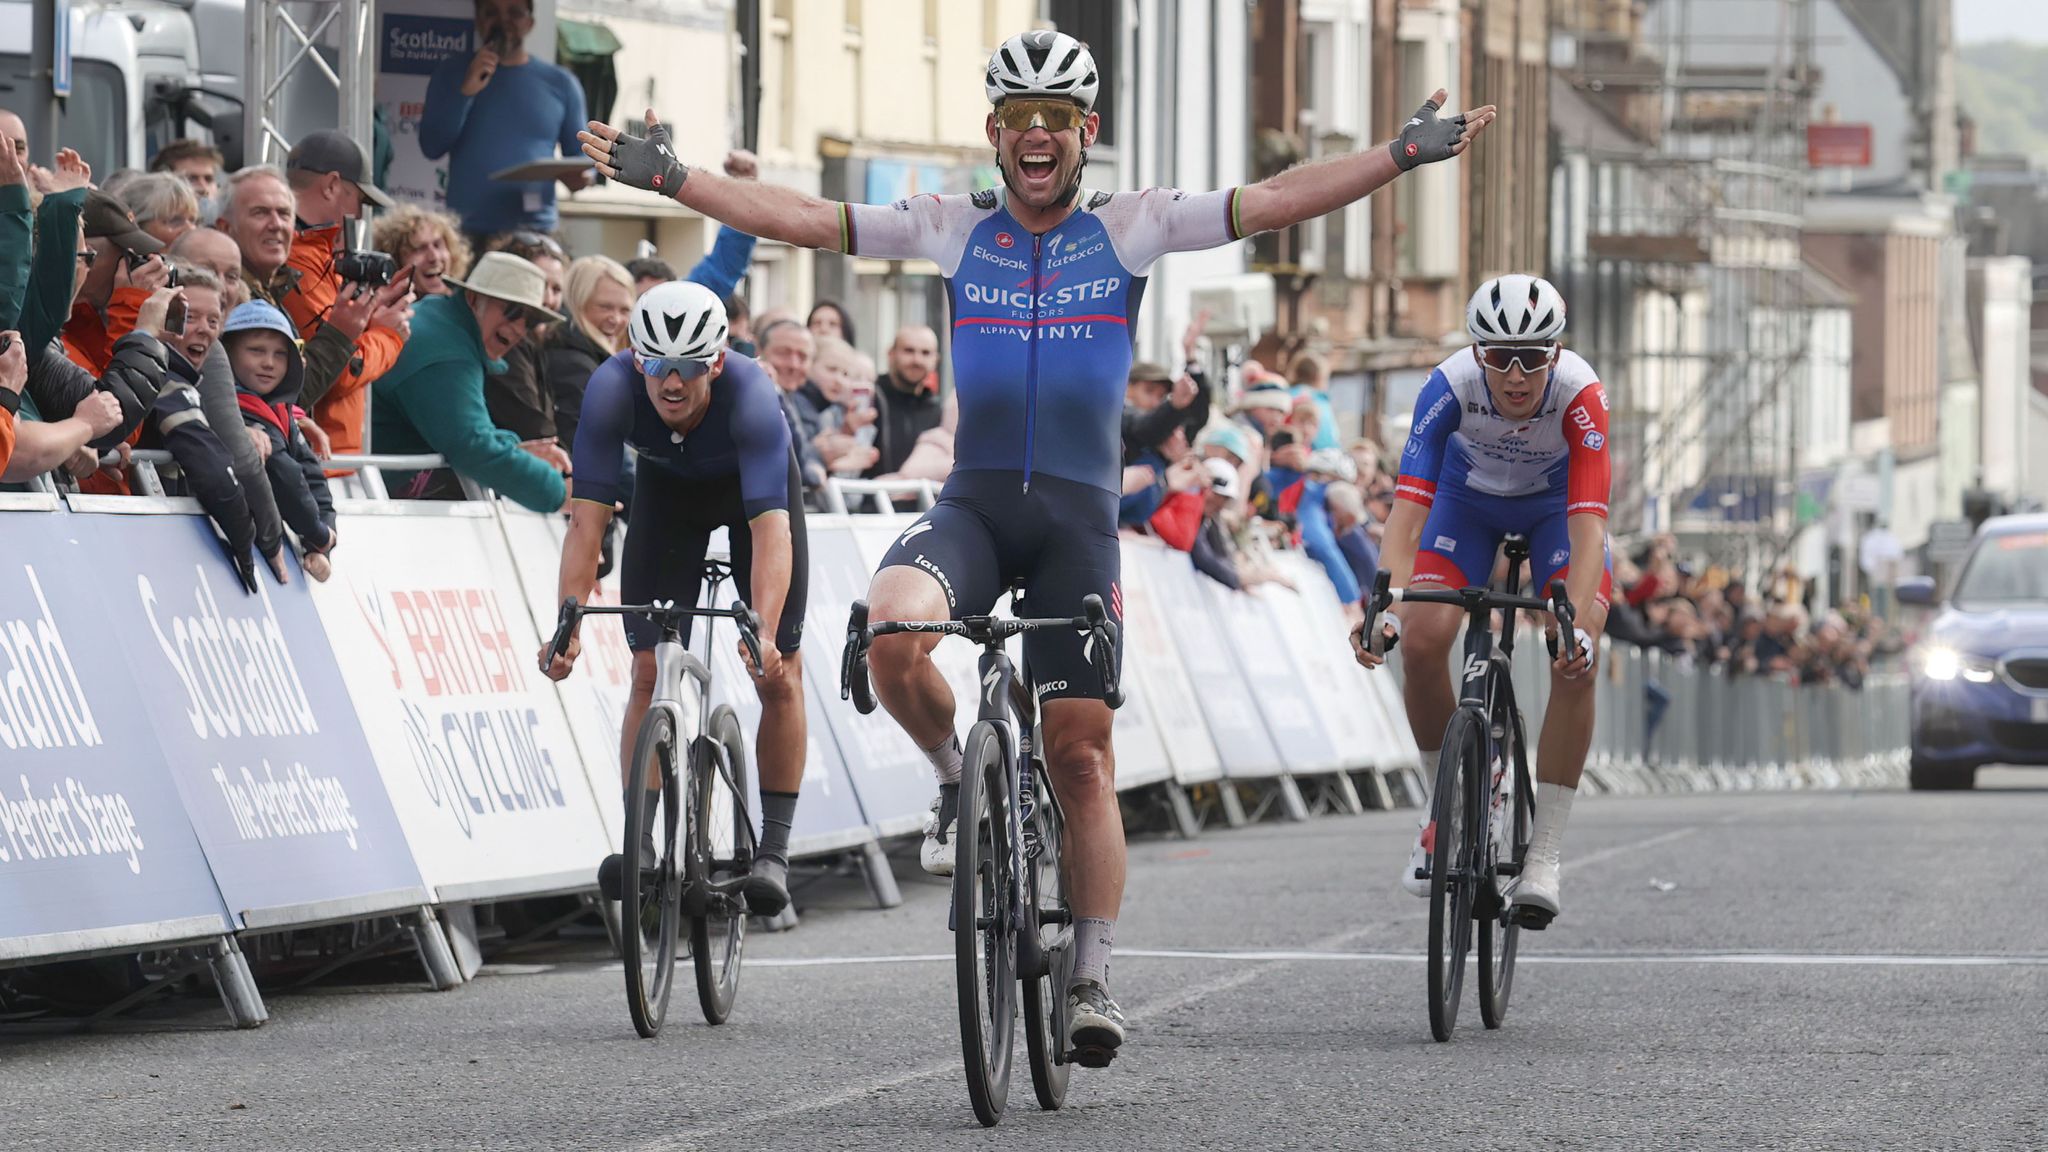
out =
column 1291, row 955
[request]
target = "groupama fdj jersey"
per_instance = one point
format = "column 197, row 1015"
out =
column 1042, row 324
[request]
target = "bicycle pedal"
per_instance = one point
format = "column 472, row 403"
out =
column 1091, row 1056
column 1533, row 918
column 1507, row 868
column 1422, row 873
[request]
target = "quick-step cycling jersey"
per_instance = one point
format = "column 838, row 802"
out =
column 1042, row 324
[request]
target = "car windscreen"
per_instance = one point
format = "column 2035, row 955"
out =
column 2004, row 571
column 93, row 120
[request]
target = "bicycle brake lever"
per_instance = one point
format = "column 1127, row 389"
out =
column 1567, row 619
column 565, row 621
column 749, row 622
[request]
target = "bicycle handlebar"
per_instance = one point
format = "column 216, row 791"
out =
column 664, row 613
column 1094, row 622
column 1559, row 607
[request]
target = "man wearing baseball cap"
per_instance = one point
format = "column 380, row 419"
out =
column 432, row 400
column 330, row 183
column 123, row 268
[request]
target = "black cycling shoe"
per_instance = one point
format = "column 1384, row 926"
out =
column 611, row 877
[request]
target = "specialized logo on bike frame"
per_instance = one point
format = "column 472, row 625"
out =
column 988, row 684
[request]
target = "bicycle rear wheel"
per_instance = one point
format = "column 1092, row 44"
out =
column 721, row 847
column 650, row 912
column 983, row 948
column 1451, row 881
column 1499, row 936
column 1045, row 892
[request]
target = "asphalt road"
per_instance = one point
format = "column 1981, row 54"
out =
column 1842, row 971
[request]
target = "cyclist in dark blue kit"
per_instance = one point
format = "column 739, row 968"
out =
column 1044, row 278
column 714, row 452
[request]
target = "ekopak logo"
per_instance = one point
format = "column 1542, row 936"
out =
column 1005, row 240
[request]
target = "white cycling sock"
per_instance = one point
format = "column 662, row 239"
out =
column 1092, row 940
column 946, row 759
column 1429, row 759
column 1553, row 811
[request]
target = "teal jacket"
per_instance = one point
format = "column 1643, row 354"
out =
column 432, row 400
column 35, row 293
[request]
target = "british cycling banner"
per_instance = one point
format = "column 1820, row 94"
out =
column 96, row 850
column 438, row 646
column 1233, row 720
column 893, row 779
column 1264, row 657
column 1362, row 710
column 249, row 708
column 1154, row 672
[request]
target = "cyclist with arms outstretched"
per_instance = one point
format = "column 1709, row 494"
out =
column 1508, row 436
column 1044, row 279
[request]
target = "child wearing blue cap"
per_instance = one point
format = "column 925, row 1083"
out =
column 263, row 349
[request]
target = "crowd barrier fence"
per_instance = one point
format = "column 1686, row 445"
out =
column 188, row 765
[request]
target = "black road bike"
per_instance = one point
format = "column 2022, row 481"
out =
column 1469, row 869
column 701, row 802
column 1010, row 918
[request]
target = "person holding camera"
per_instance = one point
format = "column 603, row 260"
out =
column 365, row 295
column 495, row 109
column 120, row 268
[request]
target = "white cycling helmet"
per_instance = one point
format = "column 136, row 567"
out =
column 679, row 320
column 1333, row 462
column 1043, row 63
column 1515, row 309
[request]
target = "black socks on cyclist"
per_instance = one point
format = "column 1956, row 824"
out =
column 778, row 812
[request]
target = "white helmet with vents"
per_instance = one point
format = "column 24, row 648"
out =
column 1515, row 309
column 679, row 320
column 1043, row 63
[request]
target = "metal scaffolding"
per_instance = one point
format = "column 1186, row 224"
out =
column 310, row 63
column 1690, row 290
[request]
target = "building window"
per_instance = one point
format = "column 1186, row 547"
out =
column 1096, row 24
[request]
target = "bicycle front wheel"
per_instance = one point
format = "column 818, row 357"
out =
column 983, row 949
column 721, row 848
column 1499, row 936
column 1046, row 913
column 1451, row 881
column 652, row 905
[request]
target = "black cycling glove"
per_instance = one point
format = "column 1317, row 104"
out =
column 648, row 161
column 1425, row 139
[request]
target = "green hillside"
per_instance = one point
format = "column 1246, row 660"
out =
column 1999, row 85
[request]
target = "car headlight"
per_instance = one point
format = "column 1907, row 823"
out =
column 1945, row 664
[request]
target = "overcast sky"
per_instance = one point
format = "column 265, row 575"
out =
column 1978, row 20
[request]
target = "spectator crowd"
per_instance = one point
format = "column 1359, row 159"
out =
column 234, row 320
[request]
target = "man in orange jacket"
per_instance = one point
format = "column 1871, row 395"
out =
column 122, row 271
column 330, row 180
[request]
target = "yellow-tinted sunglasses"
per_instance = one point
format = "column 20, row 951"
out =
column 1054, row 115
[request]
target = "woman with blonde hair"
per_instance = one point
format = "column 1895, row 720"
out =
column 164, row 205
column 429, row 242
column 598, row 299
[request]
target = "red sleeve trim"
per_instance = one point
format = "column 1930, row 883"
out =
column 1415, row 491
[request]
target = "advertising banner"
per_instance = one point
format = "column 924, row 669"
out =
column 1266, row 659
column 1354, row 704
column 894, row 781
column 96, row 850
column 411, row 42
column 595, row 694
column 1153, row 670
column 251, row 713
column 1321, row 658
column 1233, row 720
column 438, row 648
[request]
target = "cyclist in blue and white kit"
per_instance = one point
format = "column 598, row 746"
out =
column 1044, row 279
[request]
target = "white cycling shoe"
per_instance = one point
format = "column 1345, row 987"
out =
column 1535, row 901
column 936, row 854
column 1415, row 877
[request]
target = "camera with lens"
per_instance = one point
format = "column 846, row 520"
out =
column 371, row 269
